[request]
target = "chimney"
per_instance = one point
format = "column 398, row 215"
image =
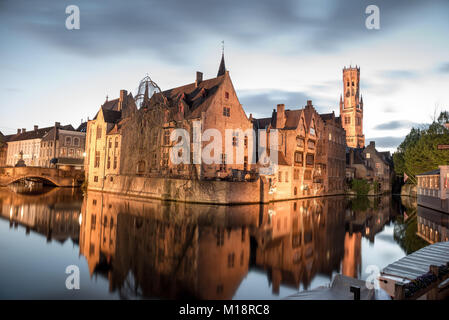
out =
column 24, row 130
column 35, row 127
column 122, row 100
column 19, row 131
column 57, row 124
column 280, row 116
column 199, row 78
column 372, row 144
column 309, row 103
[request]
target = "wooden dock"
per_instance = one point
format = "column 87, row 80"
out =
column 423, row 266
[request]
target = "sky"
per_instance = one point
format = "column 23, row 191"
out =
column 276, row 52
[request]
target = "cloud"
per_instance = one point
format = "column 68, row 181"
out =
column 174, row 29
column 386, row 142
column 262, row 103
column 400, row 74
column 444, row 68
column 395, row 125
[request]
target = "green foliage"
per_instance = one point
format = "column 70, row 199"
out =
column 418, row 152
column 360, row 186
column 360, row 204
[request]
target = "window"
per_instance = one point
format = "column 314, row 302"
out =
column 311, row 144
column 116, row 142
column 298, row 157
column 76, row 142
column 235, row 140
column 286, row 176
column 99, row 132
column 280, row 176
column 166, row 137
column 300, row 141
column 68, row 141
column 368, row 155
column 245, row 163
column 96, row 179
column 110, row 143
column 309, row 159
column 115, row 162
column 352, row 83
column 231, row 258
column 296, row 174
column 97, row 159
column 141, row 167
column 330, row 136
column 93, row 222
column 226, row 95
column 109, row 162
column 347, row 120
column 243, row 234
column 71, row 152
column 245, row 141
column 226, row 111
column 165, row 159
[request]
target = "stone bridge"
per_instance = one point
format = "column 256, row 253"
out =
column 58, row 177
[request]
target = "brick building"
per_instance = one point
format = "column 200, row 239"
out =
column 351, row 108
column 129, row 141
column 126, row 141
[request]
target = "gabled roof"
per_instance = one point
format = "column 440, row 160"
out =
column 262, row 123
column 36, row 134
column 82, row 127
column 111, row 116
column 195, row 98
column 292, row 118
column 50, row 135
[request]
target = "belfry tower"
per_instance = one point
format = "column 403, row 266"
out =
column 351, row 108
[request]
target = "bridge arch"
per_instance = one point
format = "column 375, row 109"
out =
column 44, row 179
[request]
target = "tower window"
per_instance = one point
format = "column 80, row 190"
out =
column 352, row 83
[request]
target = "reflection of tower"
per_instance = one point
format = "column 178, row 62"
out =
column 353, row 255
column 351, row 108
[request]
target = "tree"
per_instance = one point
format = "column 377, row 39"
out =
column 419, row 152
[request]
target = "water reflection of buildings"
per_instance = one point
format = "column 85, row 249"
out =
column 54, row 214
column 176, row 250
column 433, row 226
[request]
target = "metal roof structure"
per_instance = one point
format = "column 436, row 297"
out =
column 418, row 263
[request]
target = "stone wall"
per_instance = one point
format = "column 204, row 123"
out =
column 218, row 192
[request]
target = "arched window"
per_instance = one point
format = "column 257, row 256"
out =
column 141, row 167
column 76, row 142
column 68, row 141
column 295, row 191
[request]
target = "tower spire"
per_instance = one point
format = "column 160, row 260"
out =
column 222, row 68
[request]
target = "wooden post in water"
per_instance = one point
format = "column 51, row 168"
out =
column 399, row 292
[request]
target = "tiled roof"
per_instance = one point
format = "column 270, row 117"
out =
column 262, row 123
column 111, row 116
column 82, row 127
column 430, row 173
column 36, row 134
column 50, row 135
column 292, row 118
column 197, row 98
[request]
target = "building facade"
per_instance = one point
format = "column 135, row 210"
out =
column 125, row 142
column 351, row 108
column 62, row 146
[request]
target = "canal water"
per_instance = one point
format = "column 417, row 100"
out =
column 128, row 248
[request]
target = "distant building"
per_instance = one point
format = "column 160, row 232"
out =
column 38, row 146
column 369, row 164
column 351, row 108
column 62, row 146
column 3, row 149
column 433, row 189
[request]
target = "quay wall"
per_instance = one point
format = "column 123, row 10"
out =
column 218, row 192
